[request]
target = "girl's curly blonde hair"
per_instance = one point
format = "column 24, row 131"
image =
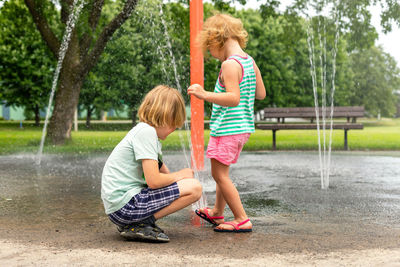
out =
column 218, row 29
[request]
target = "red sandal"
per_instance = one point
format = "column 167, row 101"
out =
column 235, row 229
column 206, row 216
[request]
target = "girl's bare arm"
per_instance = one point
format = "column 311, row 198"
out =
column 231, row 73
column 260, row 88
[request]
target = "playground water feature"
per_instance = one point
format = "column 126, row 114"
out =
column 320, row 7
column 277, row 189
column 190, row 162
column 316, row 9
column 321, row 11
column 324, row 160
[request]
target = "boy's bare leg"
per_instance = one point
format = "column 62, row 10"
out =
column 220, row 173
column 190, row 191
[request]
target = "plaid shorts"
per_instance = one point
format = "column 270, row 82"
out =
column 145, row 204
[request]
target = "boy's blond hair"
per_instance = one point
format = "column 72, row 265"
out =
column 163, row 106
column 218, row 29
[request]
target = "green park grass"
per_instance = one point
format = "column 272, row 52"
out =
column 376, row 136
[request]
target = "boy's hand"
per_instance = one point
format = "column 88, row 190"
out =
column 197, row 90
column 186, row 173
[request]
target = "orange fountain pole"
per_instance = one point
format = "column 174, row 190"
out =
column 196, row 76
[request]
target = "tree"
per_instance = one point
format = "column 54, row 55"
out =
column 138, row 58
column 376, row 79
column 26, row 64
column 284, row 66
column 95, row 96
column 390, row 14
column 87, row 42
column 101, row 88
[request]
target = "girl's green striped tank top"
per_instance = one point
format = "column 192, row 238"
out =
column 239, row 119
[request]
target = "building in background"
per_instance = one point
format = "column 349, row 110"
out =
column 11, row 112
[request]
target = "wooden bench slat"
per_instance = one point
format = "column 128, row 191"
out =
column 309, row 112
column 300, row 109
column 284, row 126
column 312, row 115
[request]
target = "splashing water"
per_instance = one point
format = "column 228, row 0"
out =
column 74, row 14
column 202, row 202
column 322, row 82
column 167, row 50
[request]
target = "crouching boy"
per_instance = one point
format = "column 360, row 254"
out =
column 137, row 188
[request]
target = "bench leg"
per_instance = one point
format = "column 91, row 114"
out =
column 273, row 139
column 346, row 147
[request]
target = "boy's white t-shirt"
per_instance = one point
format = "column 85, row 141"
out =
column 122, row 176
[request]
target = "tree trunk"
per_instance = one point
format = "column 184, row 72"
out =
column 67, row 95
column 37, row 115
column 134, row 113
column 67, row 98
column 81, row 56
column 88, row 116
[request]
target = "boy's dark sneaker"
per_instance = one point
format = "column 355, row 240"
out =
column 145, row 230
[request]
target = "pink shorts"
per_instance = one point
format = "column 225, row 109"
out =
column 226, row 149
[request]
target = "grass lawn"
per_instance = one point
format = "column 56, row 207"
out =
column 376, row 135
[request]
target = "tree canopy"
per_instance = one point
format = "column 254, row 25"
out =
column 26, row 65
column 152, row 47
column 278, row 42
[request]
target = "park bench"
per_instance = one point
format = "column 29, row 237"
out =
column 280, row 114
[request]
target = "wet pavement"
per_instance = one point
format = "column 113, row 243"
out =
column 58, row 205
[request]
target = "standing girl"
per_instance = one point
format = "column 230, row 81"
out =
column 239, row 83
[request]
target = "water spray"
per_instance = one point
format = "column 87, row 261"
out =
column 73, row 16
